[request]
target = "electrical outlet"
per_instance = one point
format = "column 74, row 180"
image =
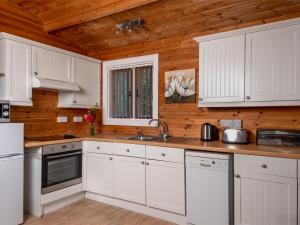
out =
column 231, row 123
column 77, row 119
column 62, row 119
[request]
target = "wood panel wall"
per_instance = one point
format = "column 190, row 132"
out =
column 185, row 119
column 40, row 120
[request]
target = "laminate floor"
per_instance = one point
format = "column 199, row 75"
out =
column 88, row 212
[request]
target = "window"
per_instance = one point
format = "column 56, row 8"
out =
column 130, row 91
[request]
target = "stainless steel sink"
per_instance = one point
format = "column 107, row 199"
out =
column 142, row 138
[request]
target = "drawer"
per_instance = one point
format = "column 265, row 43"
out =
column 130, row 150
column 165, row 154
column 266, row 165
column 99, row 147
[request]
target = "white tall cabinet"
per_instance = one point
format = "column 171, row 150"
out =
column 273, row 64
column 265, row 190
column 15, row 77
column 222, row 70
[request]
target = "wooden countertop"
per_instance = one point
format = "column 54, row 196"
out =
column 186, row 143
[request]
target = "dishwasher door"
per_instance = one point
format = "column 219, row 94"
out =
column 209, row 190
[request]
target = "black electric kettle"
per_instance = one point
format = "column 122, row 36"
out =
column 209, row 132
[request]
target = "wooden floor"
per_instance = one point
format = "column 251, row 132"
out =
column 88, row 212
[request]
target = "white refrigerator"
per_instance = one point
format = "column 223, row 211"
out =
column 11, row 173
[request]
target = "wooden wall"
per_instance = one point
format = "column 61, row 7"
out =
column 186, row 119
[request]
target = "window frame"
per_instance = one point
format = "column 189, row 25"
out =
column 131, row 62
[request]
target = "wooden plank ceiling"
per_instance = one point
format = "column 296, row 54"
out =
column 91, row 24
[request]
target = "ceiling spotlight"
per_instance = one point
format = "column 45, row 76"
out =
column 129, row 25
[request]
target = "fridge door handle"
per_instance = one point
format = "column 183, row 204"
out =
column 10, row 155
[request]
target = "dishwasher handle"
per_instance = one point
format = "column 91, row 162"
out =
column 205, row 164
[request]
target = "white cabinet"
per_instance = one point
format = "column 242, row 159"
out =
column 99, row 174
column 221, row 77
column 273, row 64
column 265, row 197
column 130, row 179
column 166, row 186
column 51, row 64
column 86, row 74
column 15, row 66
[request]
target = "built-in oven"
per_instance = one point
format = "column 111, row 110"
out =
column 61, row 166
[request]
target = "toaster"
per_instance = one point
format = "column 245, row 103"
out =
column 235, row 136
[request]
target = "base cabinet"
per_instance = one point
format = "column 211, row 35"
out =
column 99, row 174
column 166, row 186
column 130, row 179
column 261, row 198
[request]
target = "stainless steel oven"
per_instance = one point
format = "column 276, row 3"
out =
column 61, row 166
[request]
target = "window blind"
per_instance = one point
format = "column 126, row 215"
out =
column 143, row 82
column 121, row 92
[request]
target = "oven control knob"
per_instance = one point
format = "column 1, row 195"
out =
column 73, row 146
column 5, row 113
column 5, row 106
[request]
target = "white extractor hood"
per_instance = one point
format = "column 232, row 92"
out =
column 44, row 83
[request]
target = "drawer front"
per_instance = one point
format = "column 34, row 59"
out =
column 266, row 165
column 130, row 150
column 165, row 154
column 99, row 147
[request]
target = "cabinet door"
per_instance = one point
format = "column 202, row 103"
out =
column 51, row 65
column 99, row 173
column 166, row 186
column 86, row 75
column 265, row 200
column 129, row 179
column 20, row 73
column 273, row 65
column 222, row 70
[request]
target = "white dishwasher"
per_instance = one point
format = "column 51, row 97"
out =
column 209, row 181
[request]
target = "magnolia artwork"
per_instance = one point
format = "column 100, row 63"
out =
column 180, row 86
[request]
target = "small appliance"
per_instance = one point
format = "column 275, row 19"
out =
column 278, row 137
column 209, row 132
column 4, row 112
column 235, row 136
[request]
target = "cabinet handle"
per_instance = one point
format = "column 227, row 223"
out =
column 110, row 158
column 147, row 164
column 2, row 74
column 143, row 163
column 248, row 97
column 98, row 147
column 237, row 175
column 127, row 150
column 74, row 101
column 163, row 154
column 263, row 165
column 200, row 99
column 36, row 73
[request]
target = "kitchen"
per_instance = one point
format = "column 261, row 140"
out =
column 59, row 58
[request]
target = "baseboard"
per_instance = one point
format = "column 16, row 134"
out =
column 160, row 214
column 51, row 207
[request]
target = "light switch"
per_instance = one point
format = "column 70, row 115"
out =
column 77, row 119
column 62, row 119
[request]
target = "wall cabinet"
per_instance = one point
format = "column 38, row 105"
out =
column 265, row 190
column 86, row 75
column 130, row 179
column 51, row 64
column 15, row 65
column 166, row 186
column 222, row 70
column 99, row 174
column 256, row 66
column 273, row 65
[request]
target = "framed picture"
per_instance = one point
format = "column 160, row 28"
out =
column 180, row 86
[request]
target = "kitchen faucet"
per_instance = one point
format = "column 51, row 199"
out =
column 164, row 132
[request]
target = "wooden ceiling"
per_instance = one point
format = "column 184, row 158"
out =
column 90, row 24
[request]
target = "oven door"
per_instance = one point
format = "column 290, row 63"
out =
column 61, row 170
